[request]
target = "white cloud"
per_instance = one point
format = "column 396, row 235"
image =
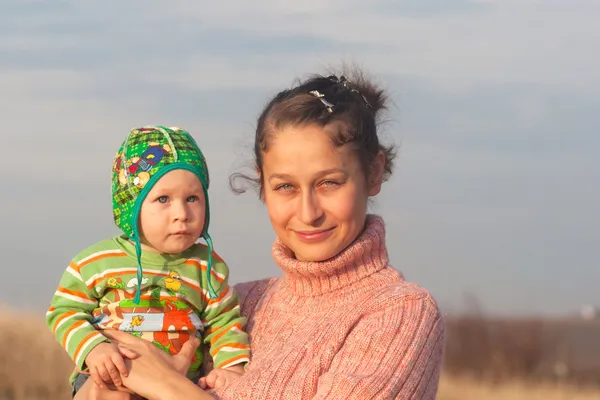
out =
column 74, row 83
column 510, row 42
column 502, row 42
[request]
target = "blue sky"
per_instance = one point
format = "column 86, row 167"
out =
column 496, row 191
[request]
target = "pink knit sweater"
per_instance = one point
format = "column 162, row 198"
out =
column 347, row 328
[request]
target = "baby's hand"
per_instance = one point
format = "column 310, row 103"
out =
column 218, row 378
column 106, row 364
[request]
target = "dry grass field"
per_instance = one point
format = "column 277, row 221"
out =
column 33, row 366
column 465, row 389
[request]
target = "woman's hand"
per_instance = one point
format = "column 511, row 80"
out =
column 91, row 391
column 153, row 374
column 134, row 348
column 151, row 368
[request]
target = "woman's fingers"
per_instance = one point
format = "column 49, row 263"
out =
column 121, row 337
column 90, row 391
column 189, row 348
column 183, row 359
column 127, row 352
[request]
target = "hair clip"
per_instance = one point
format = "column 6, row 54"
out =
column 364, row 98
column 345, row 83
column 321, row 97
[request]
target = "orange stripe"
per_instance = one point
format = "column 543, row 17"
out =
column 51, row 309
column 100, row 257
column 221, row 296
column 216, row 328
column 235, row 345
column 233, row 359
column 62, row 317
column 220, row 335
column 74, row 266
column 229, row 308
column 82, row 343
column 217, row 257
column 73, row 293
column 203, row 268
column 72, row 328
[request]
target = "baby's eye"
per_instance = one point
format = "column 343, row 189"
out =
column 163, row 199
column 192, row 199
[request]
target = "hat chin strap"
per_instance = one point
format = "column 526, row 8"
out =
column 138, row 254
column 134, row 224
column 211, row 291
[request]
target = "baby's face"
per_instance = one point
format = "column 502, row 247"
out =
column 173, row 214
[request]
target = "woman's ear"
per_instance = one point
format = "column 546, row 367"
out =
column 259, row 179
column 377, row 170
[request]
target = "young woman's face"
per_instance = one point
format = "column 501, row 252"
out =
column 316, row 194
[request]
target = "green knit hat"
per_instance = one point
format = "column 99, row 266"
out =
column 145, row 156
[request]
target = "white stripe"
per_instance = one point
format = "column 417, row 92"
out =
column 220, row 302
column 74, row 331
column 236, row 362
column 68, row 318
column 74, row 298
column 217, row 273
column 85, row 346
column 190, row 281
column 228, row 349
column 236, row 329
column 100, row 253
column 201, row 261
column 109, row 271
column 76, row 274
column 164, row 293
column 205, row 293
column 235, row 308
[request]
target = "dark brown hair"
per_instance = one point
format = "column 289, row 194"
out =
column 350, row 105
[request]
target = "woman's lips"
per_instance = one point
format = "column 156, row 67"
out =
column 314, row 236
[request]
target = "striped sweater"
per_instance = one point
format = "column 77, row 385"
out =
column 97, row 289
column 347, row 328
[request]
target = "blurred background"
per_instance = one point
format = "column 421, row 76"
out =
column 495, row 201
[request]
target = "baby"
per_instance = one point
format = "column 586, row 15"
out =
column 153, row 280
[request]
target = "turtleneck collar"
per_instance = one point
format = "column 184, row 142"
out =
column 365, row 256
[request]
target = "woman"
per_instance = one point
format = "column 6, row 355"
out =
column 340, row 323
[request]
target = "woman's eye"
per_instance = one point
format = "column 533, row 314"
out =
column 285, row 187
column 329, row 185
